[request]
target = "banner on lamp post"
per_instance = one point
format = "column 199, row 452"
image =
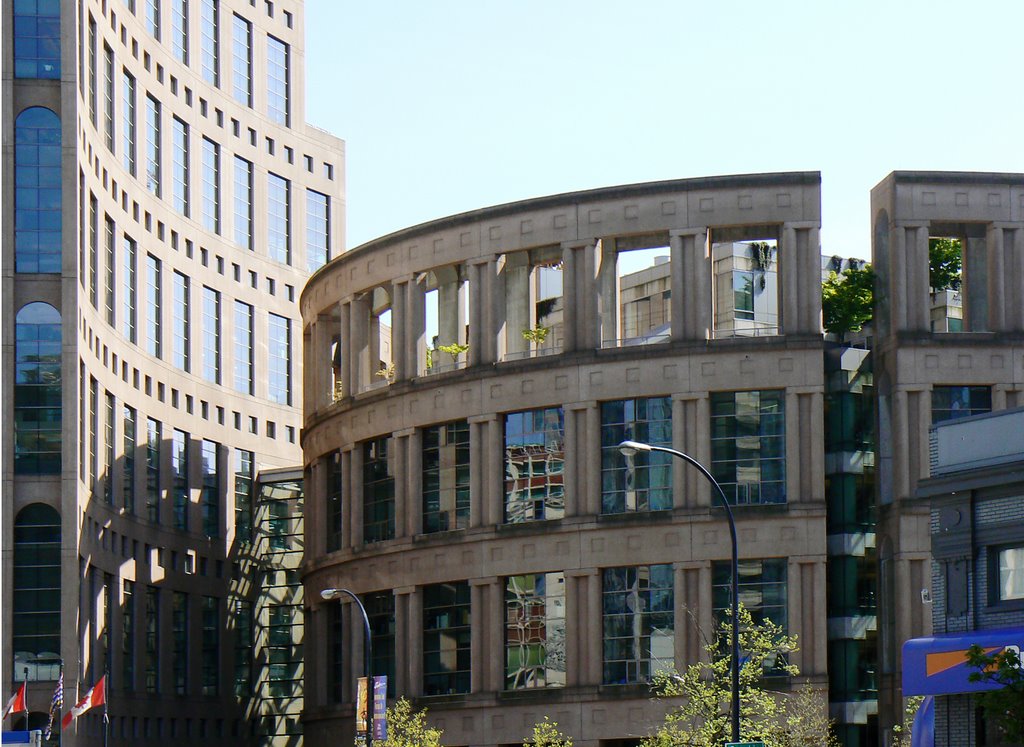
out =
column 362, row 704
column 380, row 705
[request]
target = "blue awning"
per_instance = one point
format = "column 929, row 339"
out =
column 922, row 733
column 938, row 665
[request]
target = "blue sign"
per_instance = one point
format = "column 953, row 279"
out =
column 938, row 665
column 380, row 704
column 17, row 737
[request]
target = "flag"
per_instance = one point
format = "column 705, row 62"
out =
column 96, row 696
column 17, row 702
column 56, row 703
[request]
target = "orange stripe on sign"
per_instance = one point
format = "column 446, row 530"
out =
column 945, row 660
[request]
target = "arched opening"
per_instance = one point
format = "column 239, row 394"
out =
column 36, row 617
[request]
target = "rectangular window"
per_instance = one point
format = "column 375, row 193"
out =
column 154, row 333
column 642, row 482
column 1009, row 574
column 211, row 186
column 380, row 610
column 210, row 496
column 534, row 465
column 743, row 293
column 153, row 163
column 128, row 125
column 279, row 524
column 179, row 641
column 130, row 270
column 179, row 30
column 153, row 18
column 281, row 654
column 180, row 189
column 211, row 646
column 92, row 70
column 153, row 438
column 244, row 474
column 535, row 631
column 378, row 490
column 179, row 478
column 335, row 493
column 182, row 330
column 243, row 203
column 244, row 348
column 94, row 427
column 108, row 97
column 211, row 335
column 446, row 477
column 446, row 639
column 94, row 251
column 279, row 359
column 241, row 60
column 277, row 81
column 762, row 590
column 950, row 402
column 639, row 623
column 110, row 413
column 128, row 435
column 209, row 40
column 110, row 280
column 243, row 648
column 318, row 230
column 128, row 636
column 748, row 445
column 152, row 639
column 279, row 211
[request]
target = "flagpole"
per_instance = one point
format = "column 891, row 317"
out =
column 106, row 717
column 26, row 700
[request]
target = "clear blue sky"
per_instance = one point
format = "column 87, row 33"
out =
column 450, row 106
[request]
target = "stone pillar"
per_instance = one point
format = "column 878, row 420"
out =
column 347, row 484
column 451, row 305
column 898, row 299
column 352, row 663
column 608, row 295
column 403, row 644
column 477, row 634
column 415, row 352
column 809, row 275
column 916, row 243
column 789, row 281
column 399, row 327
column 518, row 303
column 404, row 477
column 795, row 451
column 494, row 472
column 692, row 413
column 570, row 309
column 594, row 631
column 413, row 481
column 1015, row 278
column 692, row 282
column 579, row 292
column 484, row 314
column 359, row 349
column 590, row 443
column 345, row 352
column 414, row 641
column 373, row 347
column 494, row 627
column 997, row 277
column 316, row 361
column 354, row 477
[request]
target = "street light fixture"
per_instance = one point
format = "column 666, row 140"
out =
column 629, row 449
column 329, row 595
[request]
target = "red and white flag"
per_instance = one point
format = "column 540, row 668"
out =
column 17, row 702
column 96, row 696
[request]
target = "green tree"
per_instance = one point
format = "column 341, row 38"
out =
column 1003, row 707
column 455, row 349
column 408, row 728
column 848, row 300
column 546, row 734
column 778, row 719
column 945, row 262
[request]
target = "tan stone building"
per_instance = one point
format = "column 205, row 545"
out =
column 163, row 204
column 513, row 564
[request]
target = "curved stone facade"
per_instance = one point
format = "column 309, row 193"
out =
column 191, row 213
column 457, row 457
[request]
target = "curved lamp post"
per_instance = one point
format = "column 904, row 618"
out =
column 331, row 594
column 630, row 448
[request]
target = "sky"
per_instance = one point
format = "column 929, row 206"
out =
column 451, row 106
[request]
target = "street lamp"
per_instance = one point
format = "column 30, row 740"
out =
column 630, row 448
column 331, row 594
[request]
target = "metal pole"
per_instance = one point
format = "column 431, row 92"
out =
column 367, row 657
column 26, row 700
column 634, row 446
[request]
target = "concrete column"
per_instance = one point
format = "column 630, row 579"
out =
column 399, row 327
column 414, row 641
column 415, row 352
column 477, row 635
column 315, row 648
column 573, row 474
column 373, row 346
column 898, row 300
column 493, row 310
column 916, row 242
column 359, row 324
column 494, row 471
column 693, row 415
column 588, row 320
column 975, row 277
column 478, row 509
column 679, row 658
column 351, row 662
column 574, row 601
column 594, row 630
column 494, row 627
column 795, row 611
column 451, row 304
column 478, row 313
column 1015, row 284
column 900, row 447
column 608, row 298
column 590, row 441
column 403, row 647
column 347, row 485
column 403, row 476
column 681, row 488
column 794, row 450
column 518, row 303
column 996, row 287
column 569, row 298
column 816, row 445
column 318, row 365
column 355, row 483
column 789, row 281
column 809, row 241
column 692, row 284
column 413, row 480
column 345, row 351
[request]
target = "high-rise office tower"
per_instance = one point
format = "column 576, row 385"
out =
column 164, row 202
